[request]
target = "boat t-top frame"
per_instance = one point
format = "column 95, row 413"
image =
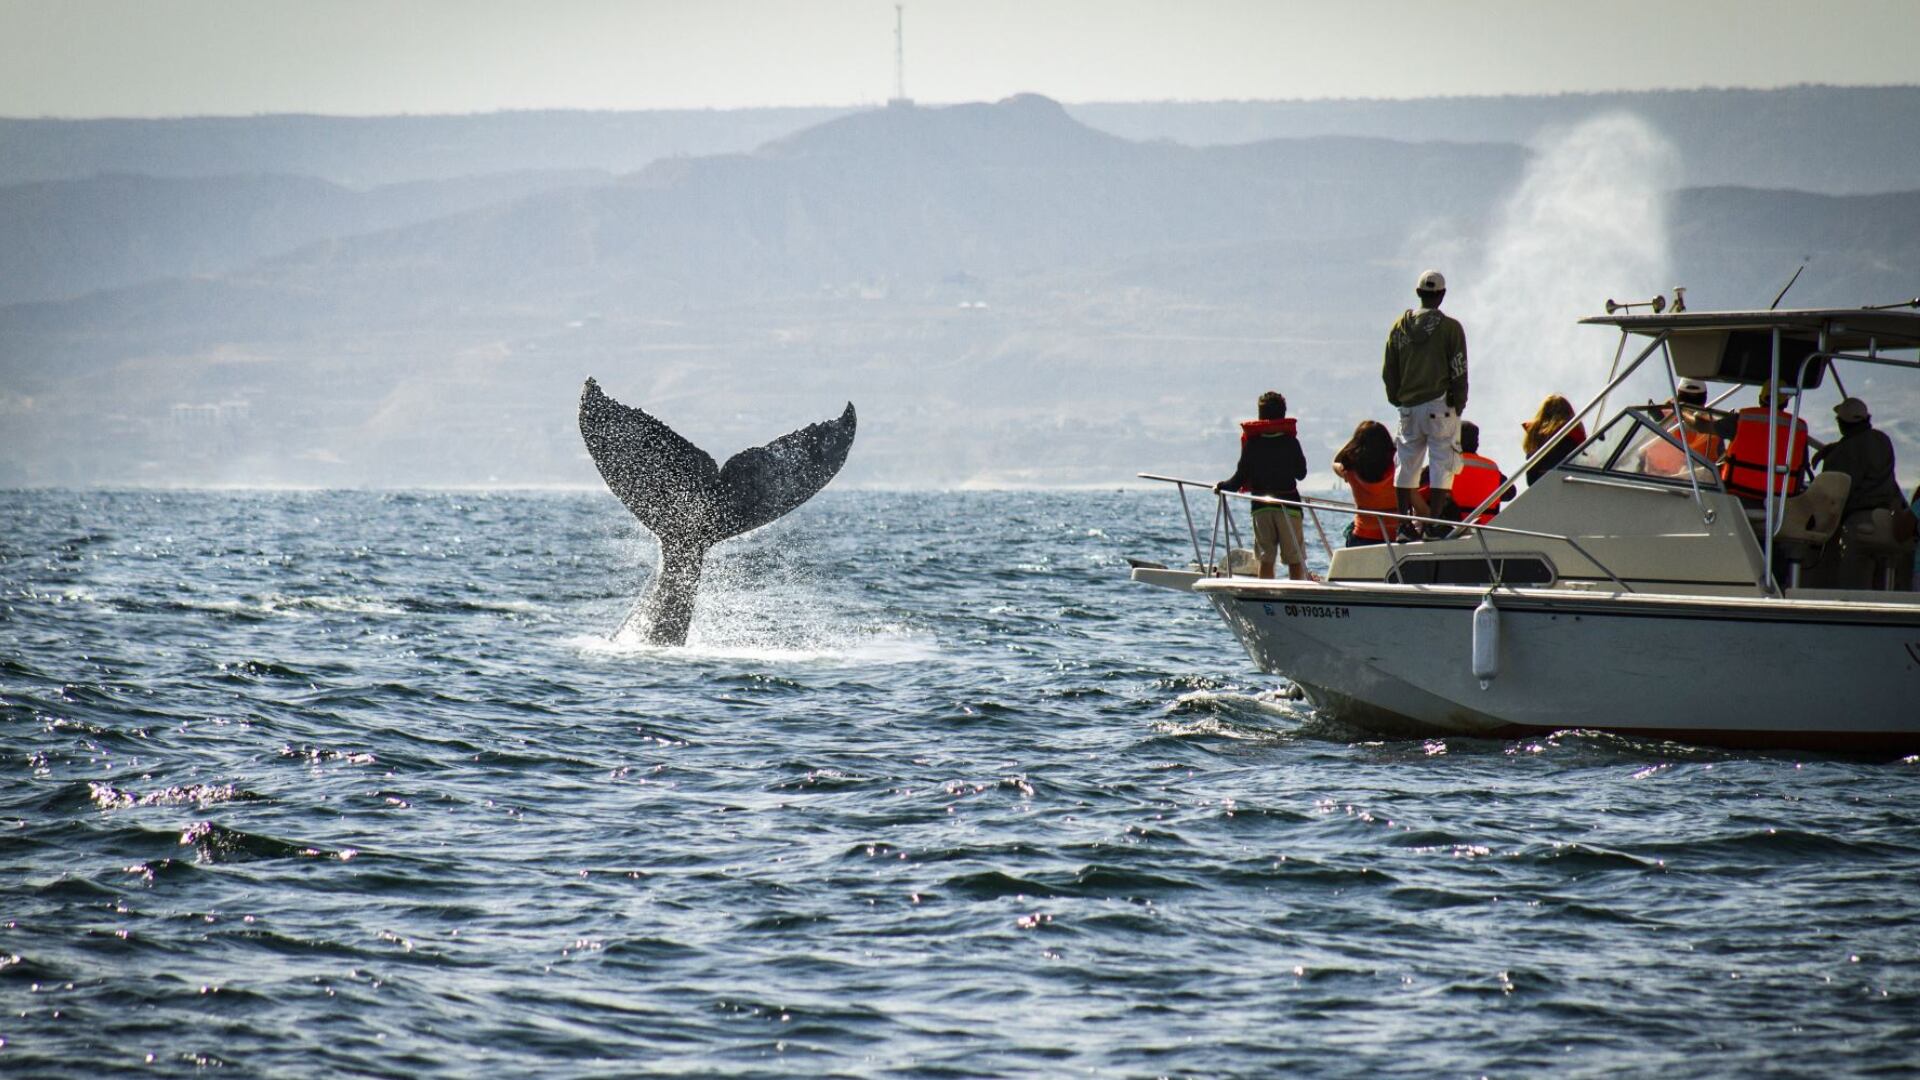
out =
column 1748, row 348
column 1743, row 348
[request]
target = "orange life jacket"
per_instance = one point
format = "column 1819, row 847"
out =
column 1706, row 444
column 1478, row 478
column 1378, row 495
column 1662, row 458
column 1745, row 471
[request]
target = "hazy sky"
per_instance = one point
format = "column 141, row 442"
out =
column 176, row 57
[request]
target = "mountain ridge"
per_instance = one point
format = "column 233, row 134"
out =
column 997, row 190
column 1006, row 291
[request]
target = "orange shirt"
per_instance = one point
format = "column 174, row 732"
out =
column 1378, row 495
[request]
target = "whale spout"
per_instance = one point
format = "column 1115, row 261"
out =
column 688, row 503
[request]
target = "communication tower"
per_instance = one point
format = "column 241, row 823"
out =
column 899, row 100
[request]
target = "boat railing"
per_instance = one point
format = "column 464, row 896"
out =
column 1223, row 530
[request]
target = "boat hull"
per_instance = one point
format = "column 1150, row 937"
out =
column 1740, row 672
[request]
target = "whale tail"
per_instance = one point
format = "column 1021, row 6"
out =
column 688, row 503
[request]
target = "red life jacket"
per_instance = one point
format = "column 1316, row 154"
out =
column 1745, row 471
column 1250, row 429
column 1478, row 478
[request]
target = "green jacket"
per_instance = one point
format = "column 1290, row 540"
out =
column 1426, row 357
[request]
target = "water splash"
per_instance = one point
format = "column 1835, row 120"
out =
column 1588, row 222
column 875, row 644
column 756, row 605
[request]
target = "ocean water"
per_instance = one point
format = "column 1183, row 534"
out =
column 318, row 784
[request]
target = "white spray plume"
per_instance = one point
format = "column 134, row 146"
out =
column 1587, row 223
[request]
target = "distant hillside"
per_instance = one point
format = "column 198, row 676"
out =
column 374, row 150
column 1836, row 140
column 66, row 238
column 1008, row 294
column 890, row 198
column 1742, row 245
column 1830, row 139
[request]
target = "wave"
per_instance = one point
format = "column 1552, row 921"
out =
column 216, row 843
column 107, row 797
column 883, row 644
column 1261, row 717
column 271, row 605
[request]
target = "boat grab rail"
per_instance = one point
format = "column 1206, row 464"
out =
column 1615, row 377
column 1311, row 506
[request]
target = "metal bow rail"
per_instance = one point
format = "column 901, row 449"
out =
column 1311, row 507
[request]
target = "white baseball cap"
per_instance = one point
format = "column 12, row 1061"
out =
column 1431, row 281
column 1692, row 386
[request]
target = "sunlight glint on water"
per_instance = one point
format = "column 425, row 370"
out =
column 312, row 789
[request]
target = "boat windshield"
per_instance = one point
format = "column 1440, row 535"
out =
column 1647, row 443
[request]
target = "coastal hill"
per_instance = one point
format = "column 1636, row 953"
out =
column 1833, row 140
column 373, row 151
column 1827, row 139
column 1010, row 294
column 900, row 198
column 63, row 238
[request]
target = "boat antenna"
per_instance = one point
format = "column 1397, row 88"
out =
column 1915, row 302
column 1784, row 288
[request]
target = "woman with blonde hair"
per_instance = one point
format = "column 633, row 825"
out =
column 1556, row 412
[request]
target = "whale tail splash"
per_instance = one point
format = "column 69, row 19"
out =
column 688, row 503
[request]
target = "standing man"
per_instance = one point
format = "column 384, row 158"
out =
column 1426, row 379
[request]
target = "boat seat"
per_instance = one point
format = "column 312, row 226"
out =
column 1874, row 532
column 1809, row 520
column 1872, row 535
column 1241, row 562
column 1812, row 516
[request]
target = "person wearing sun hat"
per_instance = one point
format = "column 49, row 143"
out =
column 1863, row 454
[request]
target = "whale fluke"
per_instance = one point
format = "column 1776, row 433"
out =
column 674, row 489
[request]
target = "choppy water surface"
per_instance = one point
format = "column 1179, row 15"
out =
column 315, row 784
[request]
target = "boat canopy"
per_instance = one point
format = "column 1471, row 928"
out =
column 1738, row 346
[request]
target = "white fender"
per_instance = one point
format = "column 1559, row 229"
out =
column 1486, row 641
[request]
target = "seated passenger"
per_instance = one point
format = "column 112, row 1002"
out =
column 1864, row 454
column 1272, row 464
column 1693, row 417
column 1366, row 464
column 1662, row 458
column 1478, row 477
column 1555, row 413
column 1744, row 472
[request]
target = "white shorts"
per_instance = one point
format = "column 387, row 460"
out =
column 1430, row 430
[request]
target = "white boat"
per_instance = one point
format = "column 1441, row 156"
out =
column 1605, row 597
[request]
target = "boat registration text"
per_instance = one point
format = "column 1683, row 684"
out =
column 1310, row 611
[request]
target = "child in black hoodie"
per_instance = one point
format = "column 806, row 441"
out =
column 1272, row 464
